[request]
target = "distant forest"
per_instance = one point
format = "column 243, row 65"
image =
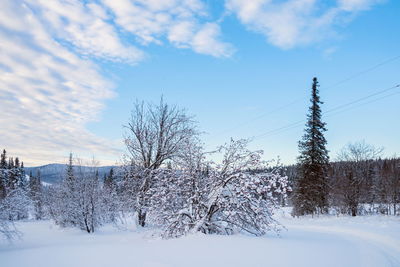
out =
column 360, row 187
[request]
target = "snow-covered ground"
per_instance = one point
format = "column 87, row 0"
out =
column 324, row 241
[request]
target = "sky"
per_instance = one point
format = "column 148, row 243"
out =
column 70, row 72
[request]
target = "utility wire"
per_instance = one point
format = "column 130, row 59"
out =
column 363, row 104
column 363, row 72
column 339, row 109
column 298, row 99
column 298, row 124
column 259, row 117
column 362, row 98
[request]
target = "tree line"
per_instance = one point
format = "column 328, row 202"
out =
column 360, row 188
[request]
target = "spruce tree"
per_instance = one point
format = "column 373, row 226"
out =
column 12, row 178
column 3, row 174
column 16, row 164
column 110, row 198
column 35, row 190
column 70, row 196
column 70, row 171
column 3, row 161
column 310, row 194
column 109, row 179
column 10, row 163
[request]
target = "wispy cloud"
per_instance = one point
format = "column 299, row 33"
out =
column 47, row 92
column 290, row 23
column 86, row 27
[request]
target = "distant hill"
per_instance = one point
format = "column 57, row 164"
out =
column 54, row 173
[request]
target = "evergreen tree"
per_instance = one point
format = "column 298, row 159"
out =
column 3, row 161
column 12, row 177
column 69, row 197
column 35, row 188
column 19, row 173
column 70, row 170
column 110, row 197
column 10, row 163
column 16, row 164
column 109, row 179
column 3, row 175
column 311, row 194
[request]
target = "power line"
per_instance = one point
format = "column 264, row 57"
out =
column 363, row 98
column 296, row 125
column 259, row 117
column 363, row 72
column 363, row 104
column 285, row 127
column 298, row 99
column 339, row 109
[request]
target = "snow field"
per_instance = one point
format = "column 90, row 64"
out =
column 327, row 241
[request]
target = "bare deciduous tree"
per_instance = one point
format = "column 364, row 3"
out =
column 359, row 151
column 352, row 177
column 156, row 134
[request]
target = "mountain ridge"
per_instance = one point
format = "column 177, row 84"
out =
column 54, row 172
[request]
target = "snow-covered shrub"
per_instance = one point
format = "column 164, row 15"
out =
column 14, row 206
column 238, row 195
column 176, row 200
column 7, row 227
column 243, row 202
column 80, row 201
column 78, row 206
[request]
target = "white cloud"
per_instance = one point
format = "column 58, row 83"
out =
column 177, row 21
column 85, row 27
column 204, row 41
column 290, row 23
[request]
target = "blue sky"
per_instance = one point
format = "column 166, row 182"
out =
column 71, row 71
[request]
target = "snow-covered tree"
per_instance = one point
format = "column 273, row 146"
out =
column 3, row 175
column 111, row 203
column 7, row 227
column 36, row 195
column 77, row 201
column 17, row 204
column 238, row 195
column 14, row 199
column 155, row 135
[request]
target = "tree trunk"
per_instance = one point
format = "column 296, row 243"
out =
column 142, row 218
column 353, row 211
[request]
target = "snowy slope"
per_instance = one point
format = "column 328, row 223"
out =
column 325, row 241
